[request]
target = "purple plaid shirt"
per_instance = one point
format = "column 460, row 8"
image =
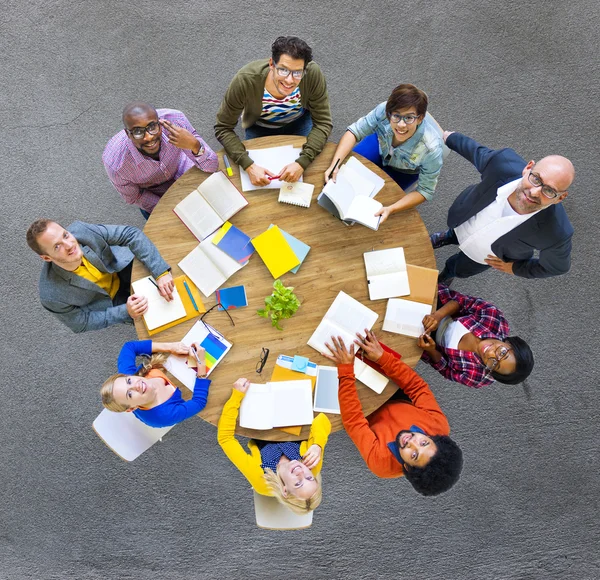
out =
column 142, row 180
column 481, row 318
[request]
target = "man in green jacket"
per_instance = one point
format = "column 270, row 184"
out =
column 285, row 95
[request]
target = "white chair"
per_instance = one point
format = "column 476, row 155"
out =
column 271, row 515
column 125, row 434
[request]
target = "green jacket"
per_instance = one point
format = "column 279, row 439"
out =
column 244, row 97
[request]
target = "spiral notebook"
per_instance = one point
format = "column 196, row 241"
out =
column 298, row 193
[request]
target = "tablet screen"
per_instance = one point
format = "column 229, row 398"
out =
column 326, row 390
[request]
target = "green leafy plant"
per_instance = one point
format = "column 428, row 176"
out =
column 282, row 303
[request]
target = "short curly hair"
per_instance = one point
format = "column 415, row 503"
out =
column 292, row 45
column 36, row 229
column 442, row 471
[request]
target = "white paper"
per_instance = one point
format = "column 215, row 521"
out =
column 405, row 317
column 377, row 182
column 369, row 377
column 386, row 273
column 159, row 310
column 272, row 158
column 257, row 408
column 198, row 215
column 326, row 390
column 222, row 195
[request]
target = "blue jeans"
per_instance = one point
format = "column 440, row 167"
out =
column 301, row 126
column 145, row 214
column 369, row 148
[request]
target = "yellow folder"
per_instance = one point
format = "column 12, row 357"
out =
column 275, row 252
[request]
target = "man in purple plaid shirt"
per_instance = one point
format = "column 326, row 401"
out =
column 156, row 147
column 466, row 340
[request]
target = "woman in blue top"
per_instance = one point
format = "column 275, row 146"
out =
column 145, row 389
column 401, row 138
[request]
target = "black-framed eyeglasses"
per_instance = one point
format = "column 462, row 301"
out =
column 260, row 365
column 408, row 119
column 501, row 353
column 284, row 72
column 212, row 308
column 139, row 132
column 536, row 181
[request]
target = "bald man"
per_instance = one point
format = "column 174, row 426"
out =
column 154, row 149
column 514, row 210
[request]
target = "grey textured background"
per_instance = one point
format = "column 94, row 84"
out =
column 521, row 74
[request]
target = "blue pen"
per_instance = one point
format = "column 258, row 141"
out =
column 190, row 295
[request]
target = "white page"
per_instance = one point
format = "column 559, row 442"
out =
column 405, row 317
column 323, row 334
column 366, row 173
column 256, row 410
column 388, row 286
column 292, row 403
column 224, row 262
column 326, row 390
column 197, row 214
column 369, row 376
column 222, row 195
column 272, row 158
column 362, row 210
column 159, row 310
column 386, row 273
column 201, row 271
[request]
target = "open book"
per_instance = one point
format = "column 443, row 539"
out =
column 209, row 206
column 272, row 158
column 369, row 376
column 278, row 404
column 160, row 312
column 209, row 267
column 405, row 317
column 345, row 317
column 386, row 273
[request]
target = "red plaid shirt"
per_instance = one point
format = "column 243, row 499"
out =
column 481, row 318
column 142, row 180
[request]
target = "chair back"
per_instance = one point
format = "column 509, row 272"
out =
column 125, row 434
column 271, row 515
column 445, row 148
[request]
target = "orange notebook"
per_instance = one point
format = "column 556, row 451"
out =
column 283, row 374
column 423, row 284
column 190, row 311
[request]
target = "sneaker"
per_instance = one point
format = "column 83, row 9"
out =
column 444, row 279
column 440, row 239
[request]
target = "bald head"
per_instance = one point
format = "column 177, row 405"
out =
column 557, row 170
column 137, row 109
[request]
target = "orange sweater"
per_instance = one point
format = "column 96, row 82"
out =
column 371, row 435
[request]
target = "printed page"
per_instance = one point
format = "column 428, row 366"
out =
column 222, row 195
column 159, row 310
column 326, row 390
column 226, row 264
column 405, row 317
column 292, row 403
column 272, row 158
column 201, row 270
column 197, row 214
column 350, row 314
column 369, row 376
column 325, row 331
column 256, row 410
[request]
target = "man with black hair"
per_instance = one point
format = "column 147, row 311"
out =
column 284, row 95
column 400, row 438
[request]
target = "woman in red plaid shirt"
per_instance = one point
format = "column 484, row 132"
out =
column 466, row 340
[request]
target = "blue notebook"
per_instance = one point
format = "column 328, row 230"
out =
column 234, row 297
column 234, row 242
column 299, row 248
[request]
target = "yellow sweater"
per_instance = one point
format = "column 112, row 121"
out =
column 249, row 463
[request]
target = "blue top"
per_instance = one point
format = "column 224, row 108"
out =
column 175, row 409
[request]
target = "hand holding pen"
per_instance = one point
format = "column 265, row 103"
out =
column 200, row 355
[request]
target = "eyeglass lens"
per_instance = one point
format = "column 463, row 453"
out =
column 151, row 128
column 408, row 119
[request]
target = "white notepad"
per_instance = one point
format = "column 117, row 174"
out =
column 345, row 317
column 159, row 311
column 296, row 193
column 369, row 377
column 272, row 158
column 386, row 273
column 277, row 404
column 405, row 317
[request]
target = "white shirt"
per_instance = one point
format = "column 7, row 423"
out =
column 450, row 332
column 477, row 234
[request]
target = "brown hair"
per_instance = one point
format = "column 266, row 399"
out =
column 405, row 96
column 36, row 229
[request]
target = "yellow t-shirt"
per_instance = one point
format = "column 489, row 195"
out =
column 106, row 281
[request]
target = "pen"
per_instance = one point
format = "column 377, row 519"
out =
column 190, row 295
column 274, row 177
column 153, row 282
column 229, row 171
column 336, row 164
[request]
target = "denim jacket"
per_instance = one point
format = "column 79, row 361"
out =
column 421, row 154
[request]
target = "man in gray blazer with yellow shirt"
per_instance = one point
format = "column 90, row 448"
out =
column 87, row 272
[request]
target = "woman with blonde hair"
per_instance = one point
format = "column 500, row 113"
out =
column 288, row 470
column 146, row 391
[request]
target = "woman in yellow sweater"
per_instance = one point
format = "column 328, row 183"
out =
column 288, row 470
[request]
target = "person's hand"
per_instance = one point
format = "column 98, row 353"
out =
column 447, row 134
column 241, row 385
column 339, row 355
column 312, row 456
column 258, row 175
column 137, row 305
column 430, row 323
column 166, row 286
column 426, row 343
column 499, row 264
column 370, row 345
column 291, row 172
column 179, row 348
column 180, row 137
column 201, row 356
column 385, row 213
column 330, row 169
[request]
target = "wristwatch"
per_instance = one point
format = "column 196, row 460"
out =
column 200, row 151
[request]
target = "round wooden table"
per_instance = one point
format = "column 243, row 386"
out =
column 335, row 262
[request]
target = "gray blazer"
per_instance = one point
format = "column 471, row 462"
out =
column 81, row 304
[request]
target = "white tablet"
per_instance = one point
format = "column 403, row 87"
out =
column 326, row 390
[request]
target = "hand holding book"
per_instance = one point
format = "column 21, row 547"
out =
column 369, row 345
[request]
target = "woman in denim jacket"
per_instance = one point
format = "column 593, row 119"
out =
column 401, row 138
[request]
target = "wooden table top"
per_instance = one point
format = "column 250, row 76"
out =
column 335, row 262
